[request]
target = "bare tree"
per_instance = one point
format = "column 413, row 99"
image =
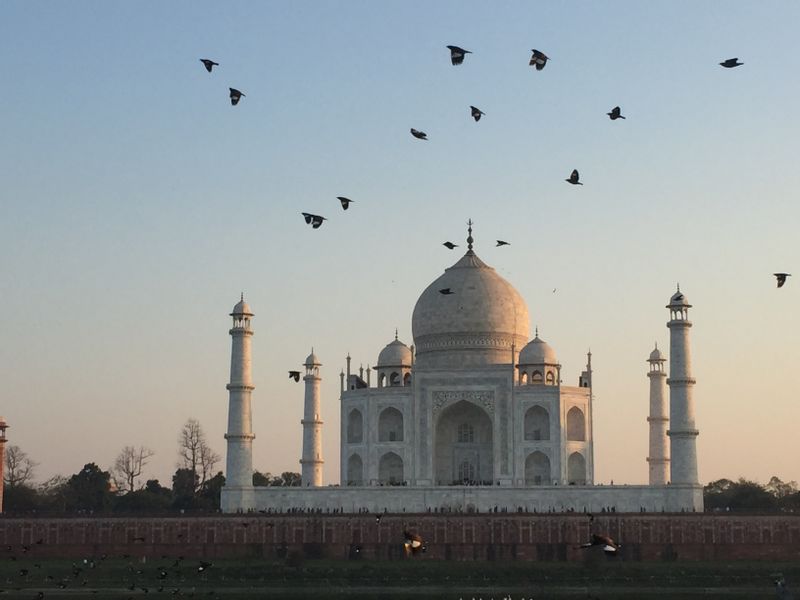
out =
column 195, row 453
column 130, row 465
column 19, row 467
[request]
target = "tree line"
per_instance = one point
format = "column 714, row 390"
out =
column 196, row 484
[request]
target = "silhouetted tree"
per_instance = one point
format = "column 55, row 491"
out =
column 287, row 479
column 261, row 479
column 129, row 465
column 740, row 496
column 19, row 468
column 90, row 489
column 184, row 484
column 211, row 491
column 195, row 453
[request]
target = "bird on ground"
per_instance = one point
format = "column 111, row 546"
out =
column 450, row 245
column 610, row 547
column 539, row 59
column 420, row 135
column 236, row 95
column 477, row 113
column 502, row 243
column 314, row 220
column 413, row 543
column 378, row 518
column 573, row 178
column 615, row 114
column 204, row 565
column 781, row 277
column 209, row 64
column 294, row 375
column 781, row 590
column 345, row 202
column 731, row 62
column 446, row 291
column 457, row 54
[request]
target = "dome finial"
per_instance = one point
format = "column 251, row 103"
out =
column 469, row 235
column 679, row 287
column 656, row 345
column 395, row 334
column 537, row 331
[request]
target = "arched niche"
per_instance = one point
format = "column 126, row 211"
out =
column 537, row 469
column 463, row 433
column 537, row 424
column 355, row 427
column 576, row 425
column 390, row 425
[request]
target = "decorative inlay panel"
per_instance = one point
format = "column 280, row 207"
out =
column 484, row 399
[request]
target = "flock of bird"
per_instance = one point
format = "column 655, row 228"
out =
column 538, row 60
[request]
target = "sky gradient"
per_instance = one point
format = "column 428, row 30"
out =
column 136, row 204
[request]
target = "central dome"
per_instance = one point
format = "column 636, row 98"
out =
column 475, row 324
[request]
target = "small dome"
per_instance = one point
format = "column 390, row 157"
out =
column 656, row 355
column 312, row 360
column 537, row 352
column 395, row 354
column 242, row 308
column 678, row 299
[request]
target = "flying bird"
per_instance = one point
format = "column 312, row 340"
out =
column 204, row 565
column 477, row 113
column 539, row 59
column 615, row 114
column 314, row 220
column 209, row 64
column 420, row 135
column 781, row 277
column 610, row 547
column 502, row 243
column 294, row 375
column 413, row 543
column 446, row 291
column 236, row 95
column 450, row 245
column 457, row 54
column 345, row 202
column 731, row 62
column 573, row 178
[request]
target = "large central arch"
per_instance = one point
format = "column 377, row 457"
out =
column 463, row 444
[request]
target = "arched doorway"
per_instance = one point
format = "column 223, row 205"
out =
column 576, row 425
column 390, row 469
column 390, row 425
column 355, row 470
column 537, row 469
column 537, row 424
column 463, row 445
column 576, row 469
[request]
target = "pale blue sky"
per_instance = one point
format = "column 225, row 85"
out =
column 136, row 204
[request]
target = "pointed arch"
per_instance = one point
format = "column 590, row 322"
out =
column 390, row 469
column 537, row 424
column 537, row 469
column 576, row 425
column 390, row 425
column 355, row 427
column 355, row 470
column 576, row 469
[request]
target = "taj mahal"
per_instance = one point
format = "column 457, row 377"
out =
column 473, row 416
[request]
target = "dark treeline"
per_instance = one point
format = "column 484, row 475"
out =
column 92, row 491
column 749, row 496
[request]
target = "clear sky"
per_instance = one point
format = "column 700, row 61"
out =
column 136, row 204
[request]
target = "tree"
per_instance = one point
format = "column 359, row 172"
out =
column 287, row 479
column 151, row 498
column 779, row 489
column 19, row 467
column 211, row 491
column 184, row 484
column 742, row 495
column 130, row 465
column 261, row 479
column 89, row 490
column 195, row 453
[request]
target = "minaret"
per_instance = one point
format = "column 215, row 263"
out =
column 3, row 427
column 239, row 462
column 658, row 419
column 682, row 433
column 311, row 462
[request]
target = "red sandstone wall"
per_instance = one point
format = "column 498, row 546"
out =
column 452, row 537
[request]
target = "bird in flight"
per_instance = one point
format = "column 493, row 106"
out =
column 573, row 178
column 420, row 135
column 539, row 59
column 209, row 64
column 446, row 291
column 450, row 245
column 236, row 95
column 413, row 543
column 345, row 202
column 314, row 220
column 731, row 62
column 615, row 114
column 781, row 277
column 610, row 547
column 502, row 243
column 477, row 113
column 294, row 375
column 457, row 54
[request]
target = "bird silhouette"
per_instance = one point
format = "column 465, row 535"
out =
column 204, row 566
column 731, row 62
column 615, row 114
column 345, row 202
column 477, row 113
column 610, row 547
column 294, row 375
column 446, row 291
column 502, row 243
column 413, row 543
column 209, row 64
column 314, row 220
column 538, row 59
column 378, row 518
column 457, row 54
column 236, row 95
column 781, row 277
column 420, row 135
column 450, row 245
column 782, row 590
column 573, row 178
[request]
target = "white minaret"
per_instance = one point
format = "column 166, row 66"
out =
column 239, row 461
column 658, row 419
column 682, row 433
column 311, row 462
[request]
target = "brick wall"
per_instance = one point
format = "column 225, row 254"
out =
column 503, row 536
